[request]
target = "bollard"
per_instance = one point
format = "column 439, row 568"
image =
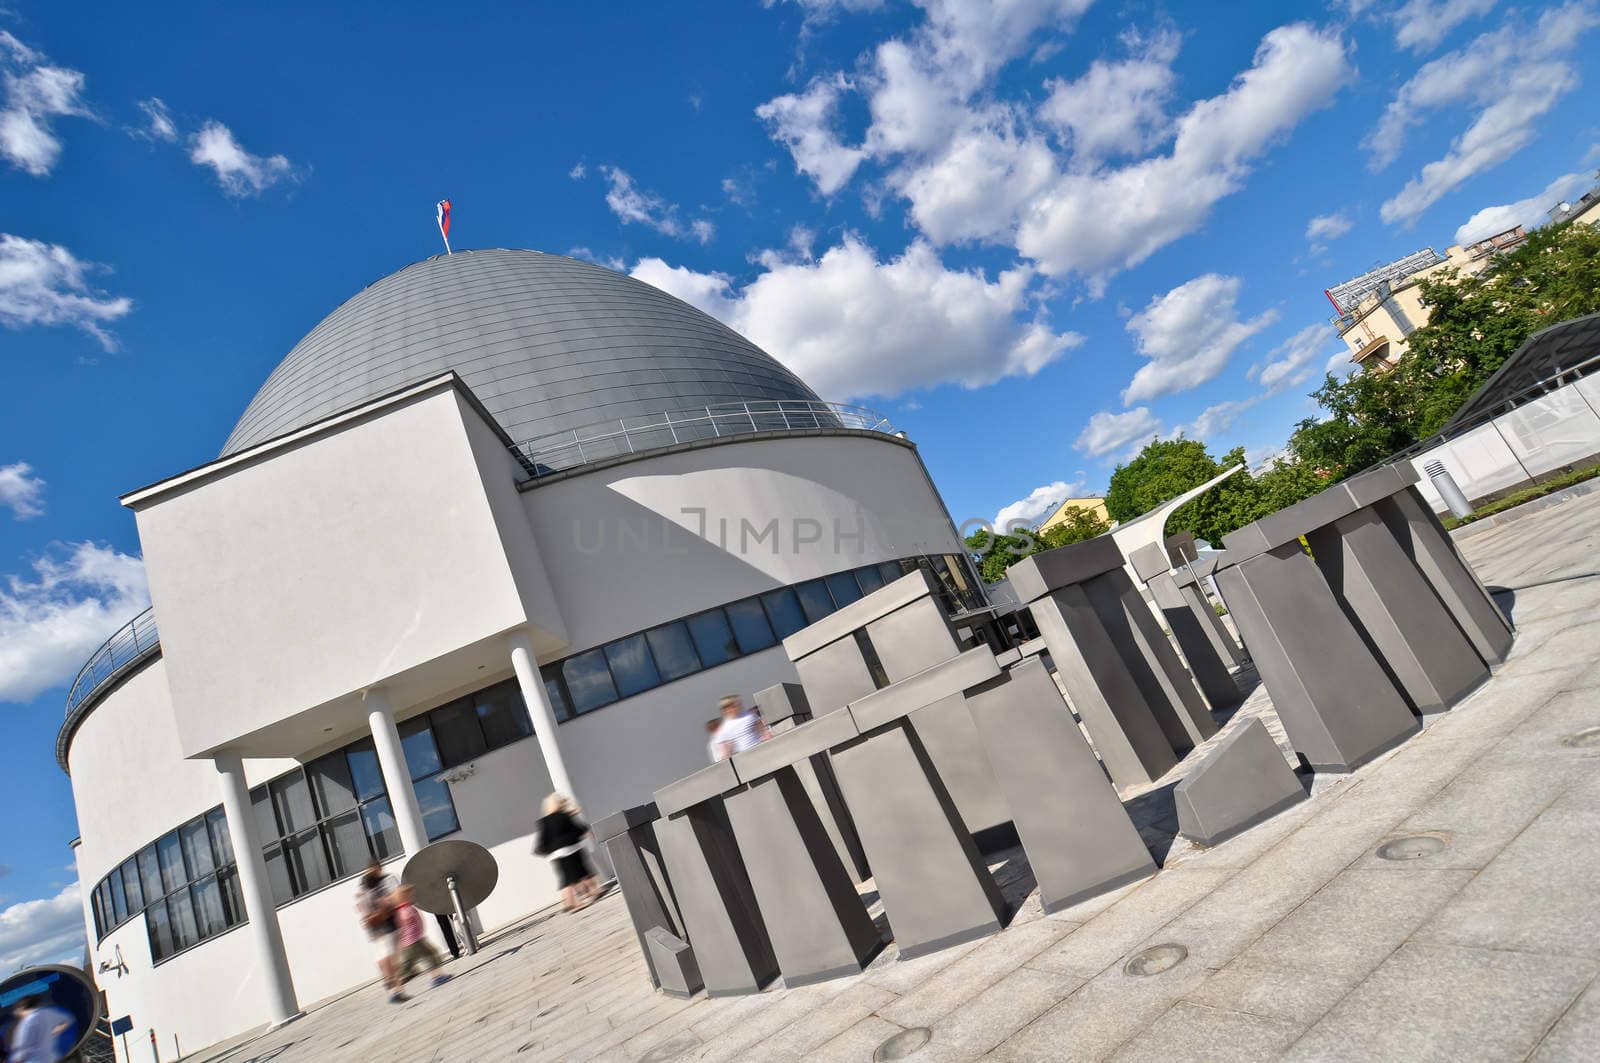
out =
column 1448, row 489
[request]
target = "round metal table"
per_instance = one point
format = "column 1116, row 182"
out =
column 452, row 875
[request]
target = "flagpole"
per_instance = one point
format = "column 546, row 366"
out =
column 446, row 243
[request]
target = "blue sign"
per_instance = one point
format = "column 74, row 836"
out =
column 121, row 1026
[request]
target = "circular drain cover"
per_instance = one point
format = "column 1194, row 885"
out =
column 1585, row 739
column 903, row 1044
column 1155, row 959
column 1413, row 848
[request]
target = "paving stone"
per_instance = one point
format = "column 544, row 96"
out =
column 1111, row 935
column 970, row 975
column 996, row 1014
column 1300, row 995
column 802, row 1037
column 1443, row 1003
column 1575, row 1034
column 857, row 1043
column 1190, row 1031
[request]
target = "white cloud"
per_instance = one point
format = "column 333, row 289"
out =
column 974, row 188
column 49, row 625
column 804, row 123
column 238, row 172
column 35, row 93
column 45, row 284
column 578, row 171
column 1217, row 419
column 631, row 204
column 1289, row 363
column 21, row 491
column 1525, row 212
column 608, row 261
column 1040, row 503
column 158, row 120
column 1116, row 108
column 1107, row 432
column 1510, row 77
column 1326, row 227
column 1339, row 363
column 42, row 931
column 1106, row 220
column 1421, row 24
column 1188, row 334
column 853, row 326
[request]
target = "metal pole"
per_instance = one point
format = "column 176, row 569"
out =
column 467, row 935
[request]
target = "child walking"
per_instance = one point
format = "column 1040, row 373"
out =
column 415, row 948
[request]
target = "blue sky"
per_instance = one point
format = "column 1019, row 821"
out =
column 1033, row 238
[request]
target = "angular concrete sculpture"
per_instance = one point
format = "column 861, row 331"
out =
column 896, row 632
column 1079, row 839
column 674, row 959
column 1195, row 640
column 1431, row 549
column 711, row 885
column 936, row 889
column 630, row 841
column 1099, row 682
column 1190, row 580
column 784, row 707
column 815, row 918
column 1337, row 703
column 1243, row 781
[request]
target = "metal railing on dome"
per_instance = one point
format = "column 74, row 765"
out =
column 564, row 451
column 132, row 643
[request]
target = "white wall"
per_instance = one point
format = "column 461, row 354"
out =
column 359, row 554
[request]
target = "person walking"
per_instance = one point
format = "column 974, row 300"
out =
column 741, row 728
column 375, row 906
column 40, row 1034
column 713, row 743
column 415, row 950
column 561, row 840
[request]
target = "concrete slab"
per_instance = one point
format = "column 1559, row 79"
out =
column 1191, row 1031
column 1240, row 782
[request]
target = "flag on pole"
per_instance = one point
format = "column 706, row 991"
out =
column 444, row 224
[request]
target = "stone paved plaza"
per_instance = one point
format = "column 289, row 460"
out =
column 1301, row 942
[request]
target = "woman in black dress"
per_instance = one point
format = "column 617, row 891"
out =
column 561, row 841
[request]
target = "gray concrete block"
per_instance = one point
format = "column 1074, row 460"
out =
column 781, row 703
column 1211, row 624
column 1337, row 704
column 696, row 787
column 858, row 614
column 1403, row 622
column 834, row 676
column 1150, row 560
column 720, row 916
column 936, row 890
column 1243, row 781
column 913, row 638
column 815, row 918
column 1197, row 641
column 618, row 822
column 1034, row 577
column 1288, row 524
column 635, row 857
column 802, row 743
column 1079, row 839
column 1368, row 487
column 926, row 687
column 1458, row 588
column 816, row 776
column 673, row 961
column 947, row 732
column 1101, row 688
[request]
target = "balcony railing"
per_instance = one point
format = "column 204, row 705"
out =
column 564, row 451
column 132, row 643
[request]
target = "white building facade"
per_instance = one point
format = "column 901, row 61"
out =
column 504, row 523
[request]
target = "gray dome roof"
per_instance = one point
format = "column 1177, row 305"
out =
column 547, row 343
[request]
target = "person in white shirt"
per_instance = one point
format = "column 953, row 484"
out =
column 741, row 728
column 713, row 744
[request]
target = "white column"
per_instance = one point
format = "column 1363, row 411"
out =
column 271, row 959
column 396, row 775
column 544, row 717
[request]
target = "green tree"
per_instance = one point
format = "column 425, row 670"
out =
column 1077, row 525
column 1164, row 469
column 994, row 552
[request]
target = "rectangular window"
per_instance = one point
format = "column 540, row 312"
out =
column 208, row 909
column 673, row 650
column 278, row 875
column 221, row 840
column 438, row 810
column 347, row 843
column 814, row 599
column 783, row 609
column 197, row 848
column 365, row 773
column 232, row 899
column 455, row 726
column 150, row 873
column 502, row 714
column 331, row 784
column 308, row 863
column 291, row 797
column 553, row 690
column 890, row 571
column 632, row 668
column 185, row 930
column 130, row 886
column 170, row 853
column 843, row 587
column 869, row 578
column 378, row 821
column 160, row 927
column 119, row 900
column 713, row 638
column 750, row 625
column 422, row 756
column 99, row 920
column 588, row 681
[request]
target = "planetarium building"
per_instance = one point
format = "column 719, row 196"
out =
column 503, row 523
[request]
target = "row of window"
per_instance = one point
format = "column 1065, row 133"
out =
column 184, row 884
column 644, row 660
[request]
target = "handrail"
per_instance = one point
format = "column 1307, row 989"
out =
column 564, row 451
column 130, row 644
